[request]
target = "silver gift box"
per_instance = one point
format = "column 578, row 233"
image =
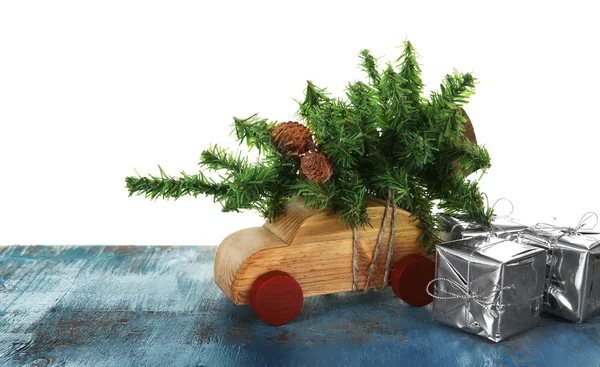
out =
column 456, row 229
column 489, row 286
column 573, row 272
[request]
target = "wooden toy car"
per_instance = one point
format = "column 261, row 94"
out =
column 307, row 253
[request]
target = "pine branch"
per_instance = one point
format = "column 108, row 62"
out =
column 465, row 201
column 165, row 187
column 457, row 88
column 255, row 132
column 471, row 157
column 243, row 186
column 392, row 178
column 363, row 109
column 314, row 97
column 317, row 196
column 393, row 98
column 444, row 107
column 216, row 158
column 248, row 188
column 339, row 135
column 419, row 202
column 250, row 183
column 369, row 66
column 353, row 204
column 418, row 150
column 288, row 178
column 410, row 72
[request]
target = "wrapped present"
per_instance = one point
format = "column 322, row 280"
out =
column 455, row 229
column 572, row 288
column 489, row 286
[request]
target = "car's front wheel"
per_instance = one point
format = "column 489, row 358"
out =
column 276, row 298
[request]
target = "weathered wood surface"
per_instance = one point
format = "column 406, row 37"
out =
column 159, row 306
column 314, row 248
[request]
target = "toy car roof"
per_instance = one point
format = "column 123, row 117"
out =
column 286, row 227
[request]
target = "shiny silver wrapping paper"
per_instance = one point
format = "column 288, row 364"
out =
column 573, row 272
column 505, row 281
column 456, row 229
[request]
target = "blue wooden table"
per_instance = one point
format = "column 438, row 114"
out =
column 159, row 306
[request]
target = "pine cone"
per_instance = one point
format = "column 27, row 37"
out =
column 316, row 167
column 292, row 138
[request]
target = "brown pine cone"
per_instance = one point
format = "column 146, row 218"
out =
column 292, row 138
column 316, row 167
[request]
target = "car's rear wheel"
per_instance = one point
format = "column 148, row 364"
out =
column 276, row 298
column 409, row 278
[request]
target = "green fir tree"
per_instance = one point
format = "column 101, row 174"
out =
column 383, row 139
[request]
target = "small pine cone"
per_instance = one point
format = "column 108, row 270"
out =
column 292, row 138
column 316, row 167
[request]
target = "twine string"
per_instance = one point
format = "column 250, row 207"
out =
column 373, row 264
column 354, row 258
column 388, row 260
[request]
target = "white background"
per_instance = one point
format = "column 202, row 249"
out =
column 91, row 90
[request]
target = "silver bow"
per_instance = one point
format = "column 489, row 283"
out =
column 570, row 231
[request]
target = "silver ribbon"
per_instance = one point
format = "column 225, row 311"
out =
column 512, row 207
column 569, row 231
column 469, row 295
column 493, row 228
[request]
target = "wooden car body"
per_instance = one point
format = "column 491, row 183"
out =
column 314, row 248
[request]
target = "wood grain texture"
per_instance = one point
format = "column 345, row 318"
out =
column 317, row 254
column 239, row 246
column 111, row 306
column 286, row 226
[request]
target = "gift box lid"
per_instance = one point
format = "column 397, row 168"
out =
column 499, row 223
column 490, row 250
column 580, row 241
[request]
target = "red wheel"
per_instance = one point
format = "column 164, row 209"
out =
column 409, row 279
column 276, row 298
